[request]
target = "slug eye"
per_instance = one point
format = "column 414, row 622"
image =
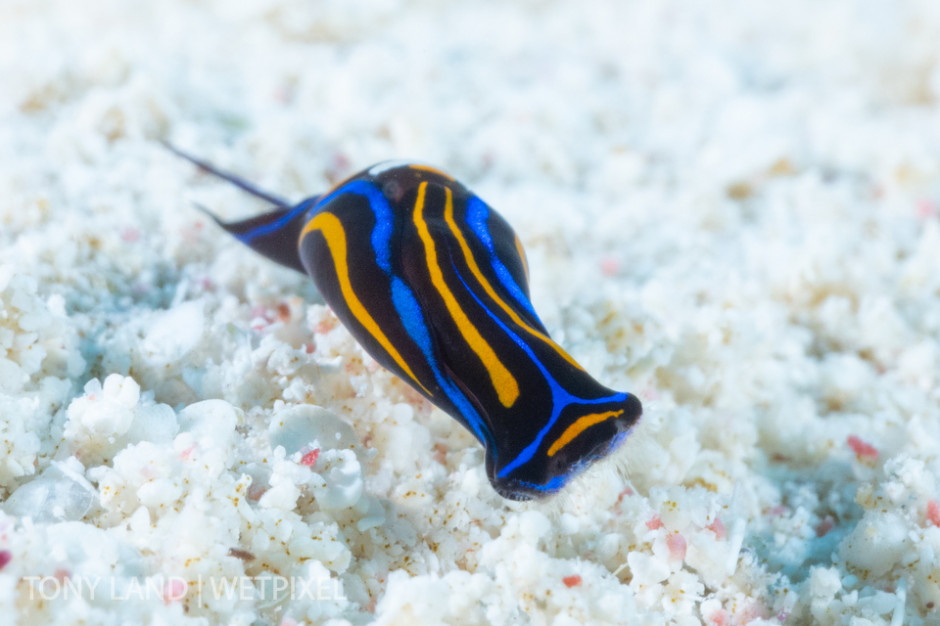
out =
column 393, row 189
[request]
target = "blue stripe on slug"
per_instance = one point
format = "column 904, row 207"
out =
column 410, row 311
column 477, row 215
column 402, row 298
column 382, row 233
column 274, row 227
column 561, row 399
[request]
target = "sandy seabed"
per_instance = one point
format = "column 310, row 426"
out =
column 731, row 209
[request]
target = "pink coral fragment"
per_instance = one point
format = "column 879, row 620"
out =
column 720, row 617
column 933, row 512
column 677, row 546
column 256, row 490
column 926, row 208
column 861, row 448
column 174, row 590
column 654, row 523
column 310, row 458
column 440, row 453
column 184, row 455
column 718, row 528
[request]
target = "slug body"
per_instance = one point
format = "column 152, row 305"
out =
column 434, row 284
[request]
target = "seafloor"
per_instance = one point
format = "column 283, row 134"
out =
column 730, row 208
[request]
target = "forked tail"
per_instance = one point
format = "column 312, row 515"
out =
column 273, row 234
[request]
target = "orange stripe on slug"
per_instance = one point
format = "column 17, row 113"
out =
column 475, row 270
column 433, row 170
column 503, row 382
column 332, row 230
column 583, row 423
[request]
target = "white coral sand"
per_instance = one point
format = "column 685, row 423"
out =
column 731, row 209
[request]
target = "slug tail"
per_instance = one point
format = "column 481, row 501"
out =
column 239, row 182
column 274, row 234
